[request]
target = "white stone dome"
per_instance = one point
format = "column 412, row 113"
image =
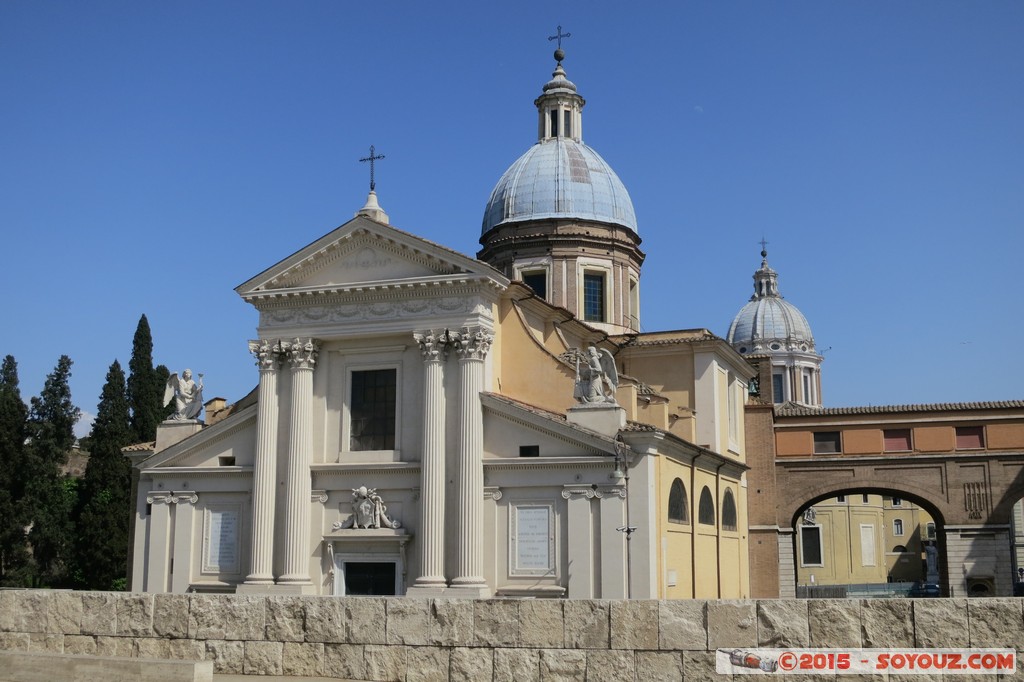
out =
column 769, row 323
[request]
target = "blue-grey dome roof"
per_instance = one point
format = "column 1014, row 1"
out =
column 768, row 322
column 559, row 178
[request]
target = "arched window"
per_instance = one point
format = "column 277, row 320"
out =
column 706, row 510
column 728, row 511
column 678, row 503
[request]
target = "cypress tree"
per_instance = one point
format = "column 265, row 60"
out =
column 14, row 556
column 50, row 495
column 145, row 390
column 105, row 492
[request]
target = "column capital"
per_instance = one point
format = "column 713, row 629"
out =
column 267, row 353
column 159, row 497
column 302, row 353
column 434, row 344
column 184, row 497
column 473, row 343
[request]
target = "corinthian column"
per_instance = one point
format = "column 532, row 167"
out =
column 434, row 348
column 261, row 549
column 472, row 347
column 302, row 356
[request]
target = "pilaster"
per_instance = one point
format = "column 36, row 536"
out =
column 158, row 562
column 184, row 522
column 613, row 542
column 472, row 346
column 581, row 541
column 302, row 355
column 261, row 547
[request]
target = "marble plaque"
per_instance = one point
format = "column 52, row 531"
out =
column 532, row 540
column 221, row 541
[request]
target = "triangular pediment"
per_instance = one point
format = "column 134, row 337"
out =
column 364, row 253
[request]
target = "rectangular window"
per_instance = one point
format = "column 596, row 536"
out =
column 826, row 442
column 897, row 527
column 929, row 531
column 807, row 388
column 896, row 440
column 372, row 409
column 778, row 395
column 567, row 124
column 538, row 281
column 634, row 304
column 865, row 499
column 897, row 501
column 554, row 123
column 529, row 451
column 810, row 546
column 841, row 499
column 593, row 297
column 970, row 437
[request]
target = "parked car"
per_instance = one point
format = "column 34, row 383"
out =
column 921, row 589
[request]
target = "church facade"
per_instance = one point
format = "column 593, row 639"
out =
column 428, row 423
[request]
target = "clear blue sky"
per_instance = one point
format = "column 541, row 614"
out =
column 154, row 155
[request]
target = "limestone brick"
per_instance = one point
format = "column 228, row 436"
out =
column 407, row 621
column 178, row 649
column 14, row 641
column 683, row 625
column 996, row 623
column 732, row 624
column 386, row 663
column 941, row 623
column 541, row 623
column 285, row 619
column 170, row 615
column 450, row 622
column 887, row 622
column 699, row 666
column 64, row 613
column 227, row 656
column 587, row 624
column 99, row 613
column 122, row 647
column 345, row 661
column 134, row 615
column 79, row 644
column 659, row 665
column 10, row 619
column 518, row 665
column 563, row 665
column 31, row 609
column 262, row 658
column 46, row 641
column 634, row 625
column 496, row 622
column 834, row 622
column 345, row 621
column 471, row 664
column 427, row 664
column 302, row 658
column 226, row 617
column 782, row 622
column 608, row 666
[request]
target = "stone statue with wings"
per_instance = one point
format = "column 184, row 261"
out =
column 596, row 377
column 186, row 394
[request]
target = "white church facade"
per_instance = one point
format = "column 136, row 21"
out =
column 418, row 427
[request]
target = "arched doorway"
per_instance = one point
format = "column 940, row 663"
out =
column 867, row 542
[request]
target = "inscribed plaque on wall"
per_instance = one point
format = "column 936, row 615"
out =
column 532, row 540
column 220, row 540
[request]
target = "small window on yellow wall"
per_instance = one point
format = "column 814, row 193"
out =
column 706, row 509
column 678, row 504
column 728, row 511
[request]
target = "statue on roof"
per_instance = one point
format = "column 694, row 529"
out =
column 187, row 395
column 596, row 377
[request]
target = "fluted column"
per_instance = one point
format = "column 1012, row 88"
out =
column 472, row 346
column 261, row 549
column 302, row 355
column 431, row 540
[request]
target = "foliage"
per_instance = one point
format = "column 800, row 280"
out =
column 105, row 493
column 145, row 386
column 14, row 556
column 49, row 495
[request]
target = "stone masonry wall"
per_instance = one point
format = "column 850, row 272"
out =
column 420, row 639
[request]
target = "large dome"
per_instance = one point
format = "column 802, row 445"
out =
column 559, row 178
column 769, row 323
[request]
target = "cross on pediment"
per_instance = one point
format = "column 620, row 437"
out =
column 372, row 158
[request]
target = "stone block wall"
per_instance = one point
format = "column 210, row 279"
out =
column 439, row 639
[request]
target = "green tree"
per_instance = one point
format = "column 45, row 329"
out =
column 104, row 493
column 14, row 555
column 50, row 498
column 145, row 389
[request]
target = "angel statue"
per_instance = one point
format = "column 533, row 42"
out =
column 368, row 511
column 597, row 380
column 186, row 393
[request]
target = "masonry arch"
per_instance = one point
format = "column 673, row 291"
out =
column 866, row 541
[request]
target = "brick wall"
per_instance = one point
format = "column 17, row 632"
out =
column 414, row 639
